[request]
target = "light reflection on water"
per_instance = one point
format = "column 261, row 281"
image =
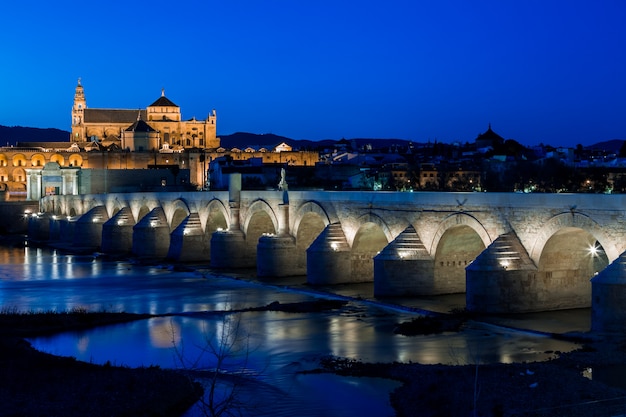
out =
column 36, row 279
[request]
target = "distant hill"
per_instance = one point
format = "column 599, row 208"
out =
column 269, row 140
column 613, row 146
column 243, row 140
column 10, row 135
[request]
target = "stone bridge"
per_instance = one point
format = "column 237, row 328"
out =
column 508, row 252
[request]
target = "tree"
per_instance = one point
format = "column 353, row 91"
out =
column 228, row 348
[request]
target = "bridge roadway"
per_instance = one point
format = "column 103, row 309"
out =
column 508, row 252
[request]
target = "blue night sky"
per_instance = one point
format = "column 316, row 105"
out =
column 539, row 71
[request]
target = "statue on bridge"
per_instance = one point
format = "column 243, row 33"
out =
column 282, row 185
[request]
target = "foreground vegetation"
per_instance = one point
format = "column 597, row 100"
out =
column 33, row 383
column 579, row 383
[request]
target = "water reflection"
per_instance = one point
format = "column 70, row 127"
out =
column 280, row 342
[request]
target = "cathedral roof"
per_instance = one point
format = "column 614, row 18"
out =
column 163, row 101
column 140, row 126
column 490, row 137
column 112, row 115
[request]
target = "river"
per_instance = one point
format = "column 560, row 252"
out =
column 271, row 346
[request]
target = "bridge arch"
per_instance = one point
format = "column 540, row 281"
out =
column 176, row 211
column 459, row 219
column 258, row 210
column 141, row 212
column 352, row 227
column 95, row 201
column 572, row 220
column 310, row 220
column 370, row 237
column 143, row 206
column 459, row 239
column 306, row 211
column 214, row 216
column 114, row 205
column 569, row 250
column 260, row 219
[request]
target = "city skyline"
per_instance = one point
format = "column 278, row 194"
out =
column 538, row 73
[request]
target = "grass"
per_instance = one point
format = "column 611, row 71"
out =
column 33, row 383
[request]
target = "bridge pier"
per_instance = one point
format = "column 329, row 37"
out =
column 276, row 255
column 39, row 226
column 228, row 250
column 608, row 294
column 55, row 228
column 405, row 268
column 188, row 242
column 151, row 236
column 502, row 279
column 117, row 233
column 328, row 259
column 66, row 230
column 88, row 229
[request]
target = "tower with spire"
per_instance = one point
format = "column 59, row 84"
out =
column 78, row 114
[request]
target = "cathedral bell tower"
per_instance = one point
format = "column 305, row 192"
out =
column 78, row 115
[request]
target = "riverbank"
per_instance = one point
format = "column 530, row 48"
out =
column 573, row 384
column 34, row 383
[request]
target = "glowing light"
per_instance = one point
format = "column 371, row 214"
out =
column 505, row 263
column 403, row 254
column 594, row 250
column 334, row 246
column 153, row 223
column 219, row 229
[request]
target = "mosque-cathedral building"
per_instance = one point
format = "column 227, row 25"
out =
column 163, row 118
column 106, row 140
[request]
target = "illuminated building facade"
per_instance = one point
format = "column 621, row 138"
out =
column 110, row 126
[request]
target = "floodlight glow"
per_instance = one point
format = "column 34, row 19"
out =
column 593, row 250
column 403, row 254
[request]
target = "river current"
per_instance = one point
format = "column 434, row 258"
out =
column 268, row 348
